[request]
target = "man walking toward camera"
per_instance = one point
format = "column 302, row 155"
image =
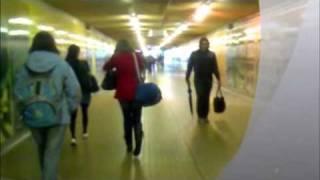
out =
column 204, row 63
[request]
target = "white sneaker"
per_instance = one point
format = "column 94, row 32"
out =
column 85, row 135
column 73, row 141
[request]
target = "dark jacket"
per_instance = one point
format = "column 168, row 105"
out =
column 204, row 64
column 82, row 71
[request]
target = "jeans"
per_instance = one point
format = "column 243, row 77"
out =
column 132, row 122
column 49, row 142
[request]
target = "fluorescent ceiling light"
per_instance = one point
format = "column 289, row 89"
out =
column 62, row 41
column 4, row 30
column 201, row 12
column 165, row 33
column 134, row 22
column 59, row 32
column 19, row 33
column 20, row 20
column 45, row 28
column 177, row 32
column 150, row 33
column 252, row 30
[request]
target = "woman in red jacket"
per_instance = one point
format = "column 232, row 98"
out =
column 127, row 82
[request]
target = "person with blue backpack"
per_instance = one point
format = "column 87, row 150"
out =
column 46, row 92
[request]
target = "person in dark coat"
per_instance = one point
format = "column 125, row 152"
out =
column 82, row 71
column 127, row 82
column 204, row 63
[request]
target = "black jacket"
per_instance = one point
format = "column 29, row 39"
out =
column 204, row 64
column 82, row 71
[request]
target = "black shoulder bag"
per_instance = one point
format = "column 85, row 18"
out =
column 110, row 80
column 219, row 103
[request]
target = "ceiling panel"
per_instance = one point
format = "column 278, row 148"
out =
column 112, row 16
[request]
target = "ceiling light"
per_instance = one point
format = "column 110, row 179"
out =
column 62, row 41
column 127, row 1
column 59, row 32
column 45, row 28
column 20, row 20
column 201, row 12
column 150, row 33
column 177, row 32
column 252, row 30
column 134, row 22
column 4, row 30
column 19, row 33
column 165, row 33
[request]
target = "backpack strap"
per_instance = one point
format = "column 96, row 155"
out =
column 38, row 85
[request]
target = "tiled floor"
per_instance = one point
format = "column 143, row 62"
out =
column 175, row 147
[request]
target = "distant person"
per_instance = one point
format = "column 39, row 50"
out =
column 46, row 91
column 161, row 60
column 150, row 63
column 204, row 64
column 127, row 82
column 82, row 71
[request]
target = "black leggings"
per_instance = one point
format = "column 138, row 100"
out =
column 84, row 108
column 132, row 122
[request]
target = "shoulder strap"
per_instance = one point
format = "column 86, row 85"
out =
column 135, row 59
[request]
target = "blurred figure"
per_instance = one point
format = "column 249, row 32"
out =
column 161, row 60
column 204, row 64
column 149, row 62
column 82, row 71
column 127, row 82
column 45, row 73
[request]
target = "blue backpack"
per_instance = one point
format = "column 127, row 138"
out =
column 39, row 99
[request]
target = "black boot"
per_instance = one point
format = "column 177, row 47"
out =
column 138, row 138
column 128, row 143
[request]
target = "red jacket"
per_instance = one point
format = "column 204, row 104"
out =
column 127, row 80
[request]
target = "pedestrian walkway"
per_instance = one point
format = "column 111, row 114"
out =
column 175, row 145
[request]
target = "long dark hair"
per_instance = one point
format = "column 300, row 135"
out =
column 43, row 41
column 73, row 52
column 123, row 46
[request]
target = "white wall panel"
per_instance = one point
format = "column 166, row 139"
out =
column 282, row 142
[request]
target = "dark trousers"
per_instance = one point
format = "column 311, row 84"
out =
column 132, row 122
column 203, row 89
column 84, row 109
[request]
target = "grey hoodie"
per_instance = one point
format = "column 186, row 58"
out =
column 64, row 77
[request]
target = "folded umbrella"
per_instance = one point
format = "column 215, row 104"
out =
column 190, row 100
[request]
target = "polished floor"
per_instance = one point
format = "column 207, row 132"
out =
column 175, row 147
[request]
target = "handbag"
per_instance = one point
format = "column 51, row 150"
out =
column 219, row 103
column 93, row 84
column 110, row 80
column 147, row 94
